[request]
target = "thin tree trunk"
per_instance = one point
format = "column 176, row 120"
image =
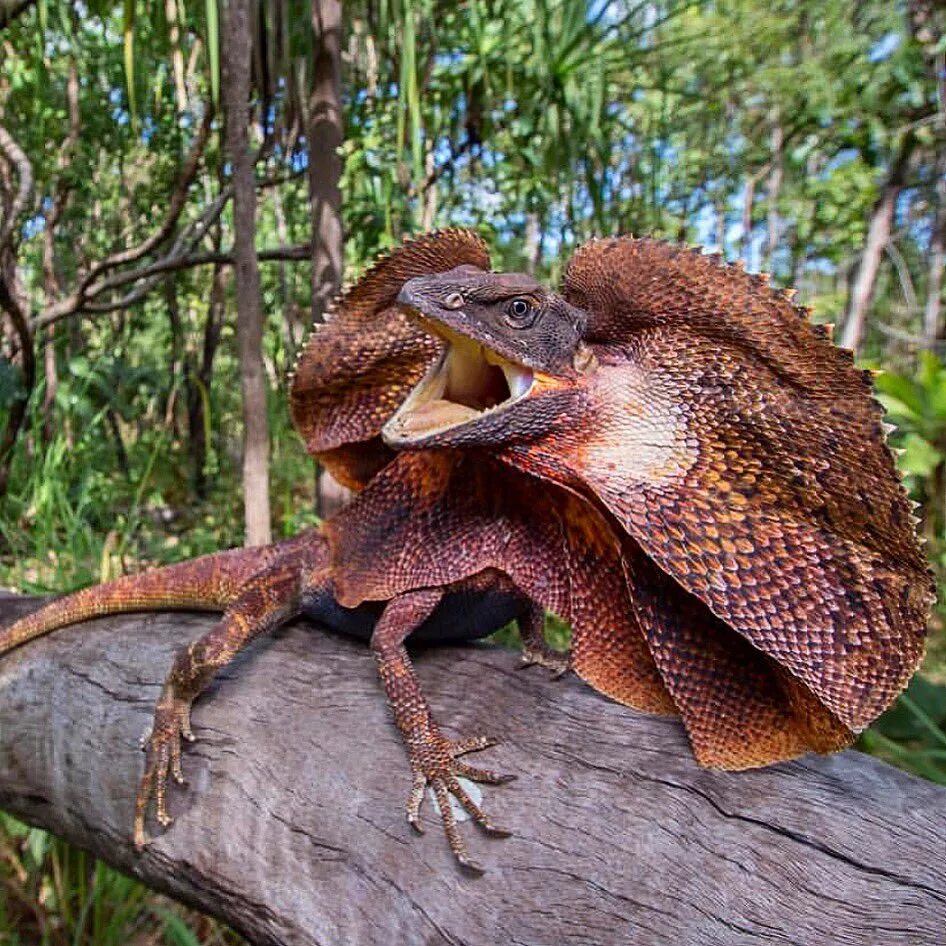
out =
column 236, row 62
column 748, row 201
column 51, row 290
column 533, row 247
column 325, row 132
column 177, row 357
column 177, row 56
column 52, row 383
column 719, row 205
column 932, row 311
column 429, row 212
column 286, row 302
column 878, row 234
column 16, row 191
column 198, row 382
column 774, row 191
column 51, row 283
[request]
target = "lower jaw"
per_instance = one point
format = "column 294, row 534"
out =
column 432, row 415
column 417, row 429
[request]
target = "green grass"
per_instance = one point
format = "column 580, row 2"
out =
column 55, row 894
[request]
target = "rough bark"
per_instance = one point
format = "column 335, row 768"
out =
column 325, row 133
column 878, row 235
column 292, row 827
column 236, row 62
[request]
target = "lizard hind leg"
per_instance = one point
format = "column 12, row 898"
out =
column 535, row 649
column 268, row 599
column 434, row 759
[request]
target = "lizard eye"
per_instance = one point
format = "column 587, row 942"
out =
column 521, row 313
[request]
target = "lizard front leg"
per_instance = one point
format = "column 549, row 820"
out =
column 434, row 758
column 269, row 599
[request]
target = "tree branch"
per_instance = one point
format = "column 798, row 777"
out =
column 175, row 207
column 17, row 157
column 292, row 826
column 16, row 203
column 179, row 256
column 299, row 252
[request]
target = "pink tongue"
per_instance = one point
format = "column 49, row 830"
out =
column 437, row 414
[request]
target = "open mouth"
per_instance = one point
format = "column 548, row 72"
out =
column 466, row 383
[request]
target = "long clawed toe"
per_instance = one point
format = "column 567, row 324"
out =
column 435, row 763
column 163, row 759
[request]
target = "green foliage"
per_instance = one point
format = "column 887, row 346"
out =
column 916, row 403
column 58, row 895
column 912, row 733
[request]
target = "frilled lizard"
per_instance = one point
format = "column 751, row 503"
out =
column 667, row 454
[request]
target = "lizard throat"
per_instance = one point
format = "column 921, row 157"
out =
column 466, row 383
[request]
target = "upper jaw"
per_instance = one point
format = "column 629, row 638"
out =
column 467, row 383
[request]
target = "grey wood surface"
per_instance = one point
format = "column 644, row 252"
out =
column 292, row 827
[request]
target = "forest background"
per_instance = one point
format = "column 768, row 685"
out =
column 184, row 184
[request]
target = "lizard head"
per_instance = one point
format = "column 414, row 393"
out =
column 511, row 366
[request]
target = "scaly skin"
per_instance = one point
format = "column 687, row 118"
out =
column 737, row 457
column 684, row 468
column 208, row 583
column 434, row 758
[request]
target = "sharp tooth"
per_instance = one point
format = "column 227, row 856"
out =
column 518, row 379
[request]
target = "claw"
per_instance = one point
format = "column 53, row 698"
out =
column 553, row 660
column 435, row 764
column 163, row 748
column 464, row 861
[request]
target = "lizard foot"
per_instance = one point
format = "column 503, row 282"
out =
column 163, row 758
column 435, row 762
column 556, row 661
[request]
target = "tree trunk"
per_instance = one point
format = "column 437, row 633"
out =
column 774, row 190
column 198, row 380
column 748, row 202
column 236, row 95
column 326, row 134
column 719, row 207
column 533, row 242
column 16, row 192
column 291, row 826
column 932, row 311
column 878, row 234
column 177, row 357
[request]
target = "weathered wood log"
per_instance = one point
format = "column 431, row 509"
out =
column 291, row 827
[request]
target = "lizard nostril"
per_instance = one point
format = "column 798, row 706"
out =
column 453, row 301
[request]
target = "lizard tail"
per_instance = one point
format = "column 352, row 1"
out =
column 208, row 583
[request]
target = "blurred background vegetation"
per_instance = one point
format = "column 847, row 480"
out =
column 807, row 139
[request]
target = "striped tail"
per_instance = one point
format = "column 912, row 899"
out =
column 208, row 583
